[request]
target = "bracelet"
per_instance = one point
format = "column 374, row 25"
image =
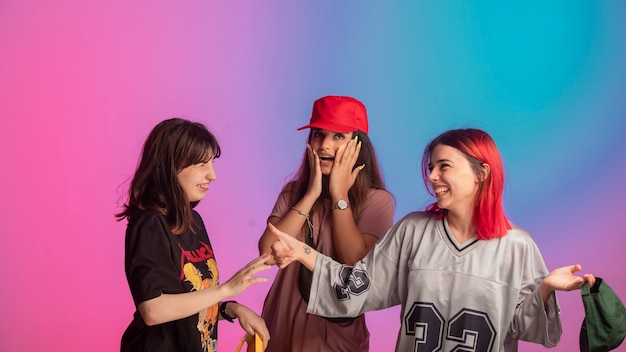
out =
column 300, row 212
column 223, row 313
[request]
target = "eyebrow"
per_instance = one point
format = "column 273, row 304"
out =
column 329, row 131
column 441, row 160
column 319, row 130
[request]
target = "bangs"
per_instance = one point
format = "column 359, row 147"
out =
column 199, row 149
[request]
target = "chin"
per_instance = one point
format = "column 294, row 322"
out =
column 442, row 205
column 199, row 198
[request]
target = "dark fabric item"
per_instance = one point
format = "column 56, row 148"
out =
column 157, row 262
column 305, row 278
column 604, row 326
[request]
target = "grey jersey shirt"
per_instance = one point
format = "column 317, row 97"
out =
column 479, row 296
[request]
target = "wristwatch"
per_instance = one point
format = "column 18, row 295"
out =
column 341, row 204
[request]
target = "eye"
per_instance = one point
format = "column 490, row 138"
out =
column 203, row 163
column 340, row 136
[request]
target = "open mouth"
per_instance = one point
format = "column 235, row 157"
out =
column 326, row 158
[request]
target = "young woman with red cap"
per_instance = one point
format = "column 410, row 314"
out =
column 467, row 279
column 337, row 203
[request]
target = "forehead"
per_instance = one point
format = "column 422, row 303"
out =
column 442, row 152
column 202, row 154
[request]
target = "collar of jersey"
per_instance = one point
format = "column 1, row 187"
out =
column 460, row 248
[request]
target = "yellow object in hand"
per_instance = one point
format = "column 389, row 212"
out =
column 255, row 344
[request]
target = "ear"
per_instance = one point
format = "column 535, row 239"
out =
column 484, row 172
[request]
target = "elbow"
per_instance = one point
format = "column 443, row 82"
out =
column 268, row 250
column 348, row 260
column 265, row 243
column 149, row 314
column 351, row 258
column 262, row 246
column 149, row 321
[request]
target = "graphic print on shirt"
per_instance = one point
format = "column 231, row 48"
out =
column 195, row 263
column 471, row 329
column 352, row 281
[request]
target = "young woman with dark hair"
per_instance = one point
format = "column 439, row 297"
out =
column 169, row 262
column 466, row 278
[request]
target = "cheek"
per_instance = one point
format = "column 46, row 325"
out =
column 184, row 181
column 341, row 143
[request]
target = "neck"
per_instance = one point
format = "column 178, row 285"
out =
column 461, row 227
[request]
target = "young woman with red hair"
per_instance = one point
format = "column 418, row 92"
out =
column 467, row 279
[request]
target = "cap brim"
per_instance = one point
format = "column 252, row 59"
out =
column 329, row 126
column 303, row 127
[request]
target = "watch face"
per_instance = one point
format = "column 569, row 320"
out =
column 342, row 204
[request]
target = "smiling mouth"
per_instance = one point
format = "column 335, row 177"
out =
column 441, row 191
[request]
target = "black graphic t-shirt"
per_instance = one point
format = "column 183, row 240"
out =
column 159, row 262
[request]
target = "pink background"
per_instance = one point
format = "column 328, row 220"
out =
column 83, row 82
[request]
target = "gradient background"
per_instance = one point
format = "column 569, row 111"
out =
column 83, row 82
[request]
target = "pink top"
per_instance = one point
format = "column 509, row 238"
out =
column 291, row 327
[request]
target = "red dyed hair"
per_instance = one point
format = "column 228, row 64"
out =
column 479, row 148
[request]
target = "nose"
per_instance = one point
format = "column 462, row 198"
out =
column 327, row 142
column 433, row 176
column 211, row 174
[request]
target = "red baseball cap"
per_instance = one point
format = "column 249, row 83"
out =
column 338, row 114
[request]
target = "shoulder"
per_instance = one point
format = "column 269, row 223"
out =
column 379, row 199
column 518, row 237
column 379, row 195
column 414, row 221
column 410, row 230
column 378, row 207
column 140, row 218
column 518, row 234
column 289, row 187
column 417, row 216
column 146, row 225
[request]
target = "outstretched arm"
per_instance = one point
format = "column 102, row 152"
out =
column 288, row 249
column 564, row 279
column 170, row 307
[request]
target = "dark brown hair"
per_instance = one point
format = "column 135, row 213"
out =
column 171, row 146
